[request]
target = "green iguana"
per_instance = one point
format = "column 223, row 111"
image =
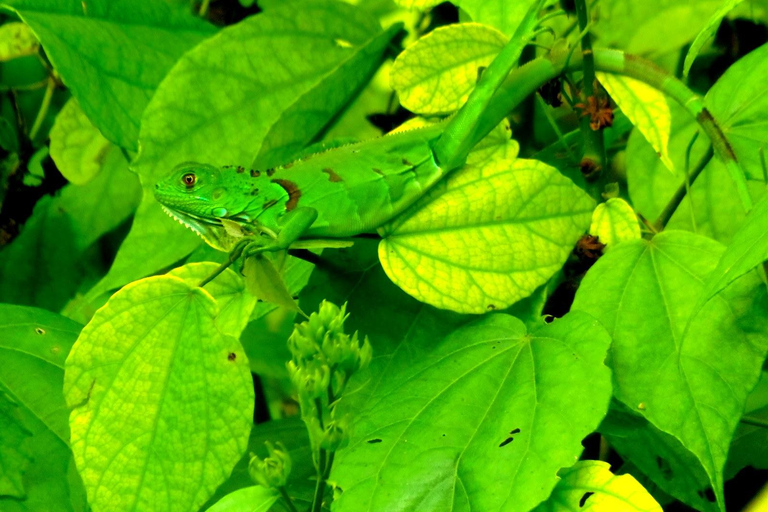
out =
column 337, row 193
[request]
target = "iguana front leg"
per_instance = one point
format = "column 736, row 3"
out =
column 292, row 226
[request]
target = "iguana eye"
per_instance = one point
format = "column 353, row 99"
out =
column 189, row 179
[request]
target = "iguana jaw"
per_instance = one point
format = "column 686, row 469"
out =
column 210, row 230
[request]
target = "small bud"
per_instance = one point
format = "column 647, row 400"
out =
column 272, row 471
column 336, row 434
column 311, row 379
column 346, row 354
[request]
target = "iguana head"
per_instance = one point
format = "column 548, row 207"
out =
column 199, row 196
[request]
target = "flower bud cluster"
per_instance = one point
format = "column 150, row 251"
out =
column 272, row 471
column 324, row 357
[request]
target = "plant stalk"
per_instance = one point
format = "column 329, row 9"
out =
column 756, row 422
column 287, row 499
column 43, row 111
column 593, row 160
column 681, row 191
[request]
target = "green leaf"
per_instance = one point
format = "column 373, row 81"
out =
column 646, row 107
column 644, row 293
column 590, row 486
column 614, row 221
column 652, row 28
column 162, row 396
column 234, row 89
column 750, row 443
column 660, row 456
column 417, row 4
column 299, row 124
column 707, row 33
column 228, row 290
column 112, row 56
column 500, row 14
column 33, row 348
column 17, row 40
column 428, row 84
column 250, row 499
column 739, row 103
column 421, row 444
column 14, row 452
column 712, row 208
column 77, row 147
column 46, row 264
column 486, row 236
column 748, row 249
column 264, row 281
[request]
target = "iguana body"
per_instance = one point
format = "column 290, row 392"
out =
column 340, row 192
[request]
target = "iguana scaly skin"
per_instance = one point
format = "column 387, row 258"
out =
column 338, row 193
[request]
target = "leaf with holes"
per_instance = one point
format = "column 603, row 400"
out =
column 162, row 396
column 590, row 486
column 420, row 444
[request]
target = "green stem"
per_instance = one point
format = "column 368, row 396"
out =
column 555, row 128
column 593, row 160
column 756, row 422
column 317, row 501
column 43, row 111
column 681, row 191
column 204, row 8
column 287, row 499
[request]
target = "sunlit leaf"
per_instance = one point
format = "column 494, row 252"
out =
column 590, row 486
column 646, row 107
column 500, row 14
column 428, row 85
column 77, row 147
column 112, row 55
column 417, row 4
column 486, row 237
column 644, row 293
column 707, row 33
column 228, row 290
column 614, row 221
column 264, row 281
column 17, row 40
column 161, row 395
column 250, row 499
column 436, row 450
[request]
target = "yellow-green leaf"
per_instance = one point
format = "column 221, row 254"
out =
column 161, row 400
column 486, row 236
column 77, row 146
column 228, row 289
column 17, row 40
column 417, row 4
column 614, row 221
column 646, row 107
column 589, row 486
column 436, row 74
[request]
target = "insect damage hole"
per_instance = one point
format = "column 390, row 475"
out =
column 231, row 356
column 584, row 498
column 510, row 438
column 39, row 330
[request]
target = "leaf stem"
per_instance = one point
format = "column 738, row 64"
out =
column 287, row 499
column 593, row 159
column 757, row 422
column 204, row 8
column 317, row 501
column 681, row 191
column 43, row 108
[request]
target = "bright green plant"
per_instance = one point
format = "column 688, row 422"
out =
column 143, row 369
